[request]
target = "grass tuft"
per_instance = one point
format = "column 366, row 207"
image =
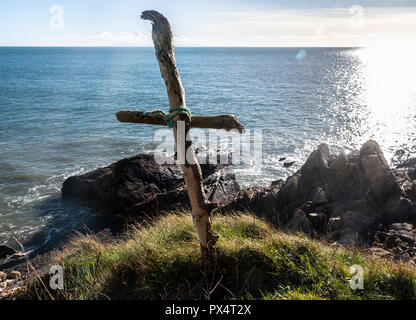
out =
column 161, row 260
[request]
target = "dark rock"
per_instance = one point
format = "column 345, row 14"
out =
column 359, row 189
column 344, row 179
column 334, row 224
column 381, row 179
column 413, row 194
column 289, row 190
column 299, row 223
column 282, row 159
column 139, row 185
column 319, row 197
column 219, row 187
column 264, row 202
column 358, row 219
column 318, row 221
column 398, row 209
column 115, row 189
column 405, row 175
column 167, row 201
column 307, row 207
column 316, row 174
column 6, row 251
column 399, row 157
column 408, row 163
column 279, row 182
column 289, row 164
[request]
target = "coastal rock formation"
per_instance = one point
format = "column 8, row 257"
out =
column 6, row 251
column 350, row 198
column 345, row 198
column 264, row 202
column 398, row 240
column 139, row 185
column 405, row 174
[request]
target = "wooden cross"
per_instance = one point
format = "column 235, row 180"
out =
column 201, row 208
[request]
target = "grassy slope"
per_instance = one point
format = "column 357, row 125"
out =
column 160, row 260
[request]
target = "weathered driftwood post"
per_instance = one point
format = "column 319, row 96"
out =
column 182, row 120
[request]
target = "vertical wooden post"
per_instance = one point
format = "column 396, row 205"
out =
column 201, row 208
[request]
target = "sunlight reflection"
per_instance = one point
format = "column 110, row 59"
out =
column 388, row 92
column 389, row 74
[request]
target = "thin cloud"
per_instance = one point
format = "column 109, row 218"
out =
column 351, row 26
column 107, row 38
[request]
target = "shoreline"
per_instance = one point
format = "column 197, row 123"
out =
column 118, row 221
column 312, row 200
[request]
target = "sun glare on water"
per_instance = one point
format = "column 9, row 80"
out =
column 389, row 92
column 390, row 78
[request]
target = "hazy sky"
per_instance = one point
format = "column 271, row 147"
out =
column 208, row 23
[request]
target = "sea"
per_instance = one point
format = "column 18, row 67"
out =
column 58, row 106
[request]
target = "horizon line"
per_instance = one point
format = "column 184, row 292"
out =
column 32, row 46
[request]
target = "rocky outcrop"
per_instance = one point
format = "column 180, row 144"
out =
column 139, row 185
column 398, row 240
column 405, row 175
column 300, row 223
column 6, row 251
column 350, row 198
column 264, row 202
column 364, row 193
column 345, row 198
